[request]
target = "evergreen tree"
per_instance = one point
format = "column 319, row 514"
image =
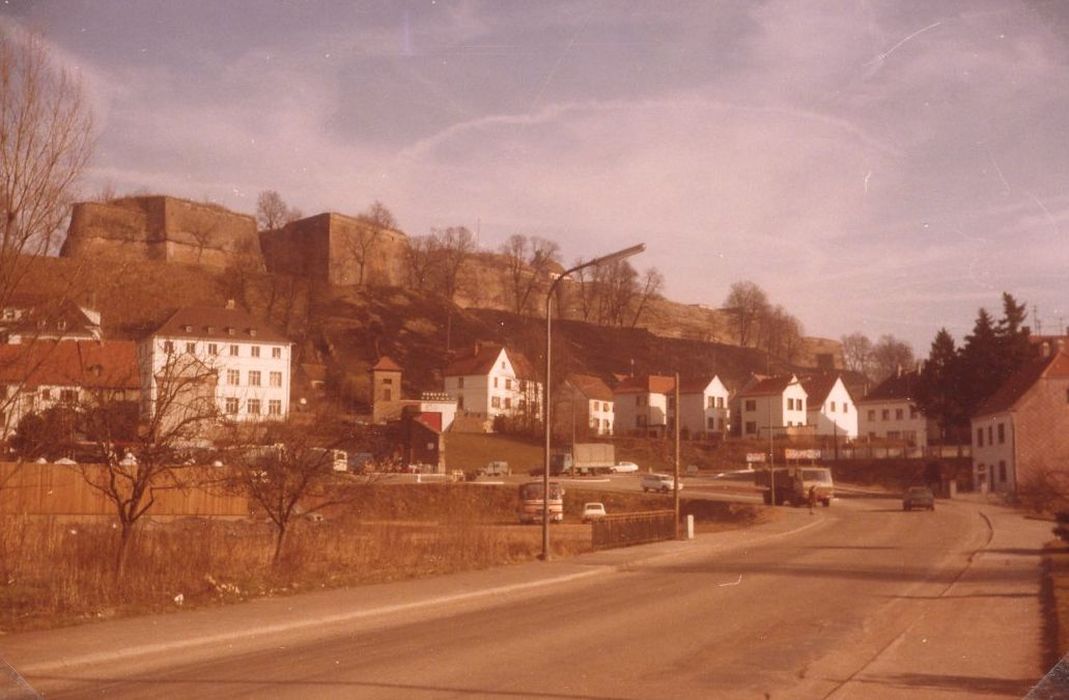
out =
column 1012, row 334
column 982, row 365
column 939, row 393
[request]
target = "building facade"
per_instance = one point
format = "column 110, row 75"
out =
column 830, row 408
column 772, row 404
column 889, row 412
column 642, row 405
column 494, row 381
column 587, row 401
column 704, row 407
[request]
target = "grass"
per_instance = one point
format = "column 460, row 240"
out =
column 1056, row 600
column 55, row 572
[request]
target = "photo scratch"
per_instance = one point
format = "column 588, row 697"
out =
column 731, row 583
column 876, row 62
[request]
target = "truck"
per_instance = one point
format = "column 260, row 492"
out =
column 792, row 484
column 531, row 503
column 496, row 469
column 584, row 458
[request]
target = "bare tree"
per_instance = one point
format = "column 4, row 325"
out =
column 420, row 260
column 780, row 334
column 140, row 455
column 45, row 144
column 857, row 353
column 360, row 248
column 890, row 355
column 619, row 289
column 287, row 472
column 379, row 215
column 652, row 284
column 454, row 247
column 587, row 279
column 527, row 264
column 272, row 212
column 205, row 234
column 748, row 303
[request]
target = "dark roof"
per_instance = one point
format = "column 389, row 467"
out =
column 109, row 364
column 590, row 386
column 482, row 359
column 1056, row 366
column 646, row 384
column 695, row 385
column 48, row 317
column 769, row 386
column 817, row 387
column 902, row 386
column 219, row 323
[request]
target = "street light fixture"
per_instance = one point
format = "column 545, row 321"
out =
column 546, row 402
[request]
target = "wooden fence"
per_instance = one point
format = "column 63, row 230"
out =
column 58, row 489
column 625, row 529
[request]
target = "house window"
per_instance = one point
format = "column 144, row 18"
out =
column 387, row 380
column 233, row 350
column 1001, row 433
column 233, row 377
column 46, row 394
column 495, row 382
column 274, row 407
column 191, row 348
column 232, row 407
column 254, row 351
column 253, row 407
column 898, row 414
column 710, row 423
column 276, row 353
column 801, row 405
column 990, row 440
column 213, row 348
column 502, row 364
column 719, row 401
column 751, row 405
column 275, row 378
column 872, row 415
column 979, row 437
column 62, row 325
column 508, row 402
column 71, row 395
column 751, row 428
column 387, row 395
column 460, row 382
column 168, row 347
column 495, row 402
column 833, row 407
column 790, row 404
column 508, row 384
column 710, row 402
column 894, row 435
column 254, row 378
column 885, row 414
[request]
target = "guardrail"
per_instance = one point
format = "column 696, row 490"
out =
column 626, row 529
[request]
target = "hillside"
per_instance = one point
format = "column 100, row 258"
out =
column 348, row 328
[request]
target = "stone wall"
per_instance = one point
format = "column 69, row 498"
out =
column 160, row 228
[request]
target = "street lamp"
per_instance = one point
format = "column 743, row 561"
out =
column 546, row 402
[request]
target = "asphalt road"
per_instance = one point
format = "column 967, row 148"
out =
column 860, row 600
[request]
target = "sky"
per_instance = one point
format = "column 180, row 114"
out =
column 881, row 167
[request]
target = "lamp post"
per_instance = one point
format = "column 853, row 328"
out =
column 546, row 402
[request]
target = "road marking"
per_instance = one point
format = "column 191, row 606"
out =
column 147, row 649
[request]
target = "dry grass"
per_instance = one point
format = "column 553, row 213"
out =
column 55, row 572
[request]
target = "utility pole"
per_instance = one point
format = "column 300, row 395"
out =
column 675, row 481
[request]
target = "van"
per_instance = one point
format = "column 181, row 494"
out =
column 662, row 483
column 497, row 469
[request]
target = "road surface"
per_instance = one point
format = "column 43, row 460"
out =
column 860, row 600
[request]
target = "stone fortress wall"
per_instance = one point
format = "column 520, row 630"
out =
column 160, row 228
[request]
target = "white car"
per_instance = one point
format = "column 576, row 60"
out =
column 593, row 511
column 625, row 468
column 663, row 483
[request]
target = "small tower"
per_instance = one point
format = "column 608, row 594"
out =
column 385, row 389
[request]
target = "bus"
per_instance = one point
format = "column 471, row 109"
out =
column 530, row 505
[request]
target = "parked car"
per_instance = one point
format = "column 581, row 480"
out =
column 593, row 511
column 662, row 483
column 496, row 469
column 918, row 497
column 625, row 468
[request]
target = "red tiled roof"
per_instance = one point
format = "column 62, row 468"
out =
column 482, row 360
column 817, row 388
column 769, row 386
column 590, row 386
column 431, row 420
column 647, row 384
column 386, row 364
column 109, row 364
column 695, row 385
column 1056, row 366
column 218, row 323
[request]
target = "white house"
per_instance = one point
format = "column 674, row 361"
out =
column 249, row 360
column 703, row 406
column 494, row 381
column 26, row 318
column 889, row 412
column 830, row 408
column 588, row 400
column 643, row 404
column 35, row 377
column 772, row 403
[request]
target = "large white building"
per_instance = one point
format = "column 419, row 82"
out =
column 889, row 412
column 703, row 405
column 830, row 408
column 643, row 404
column 248, row 362
column 588, row 400
column 772, row 404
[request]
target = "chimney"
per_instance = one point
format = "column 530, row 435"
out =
column 230, row 304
